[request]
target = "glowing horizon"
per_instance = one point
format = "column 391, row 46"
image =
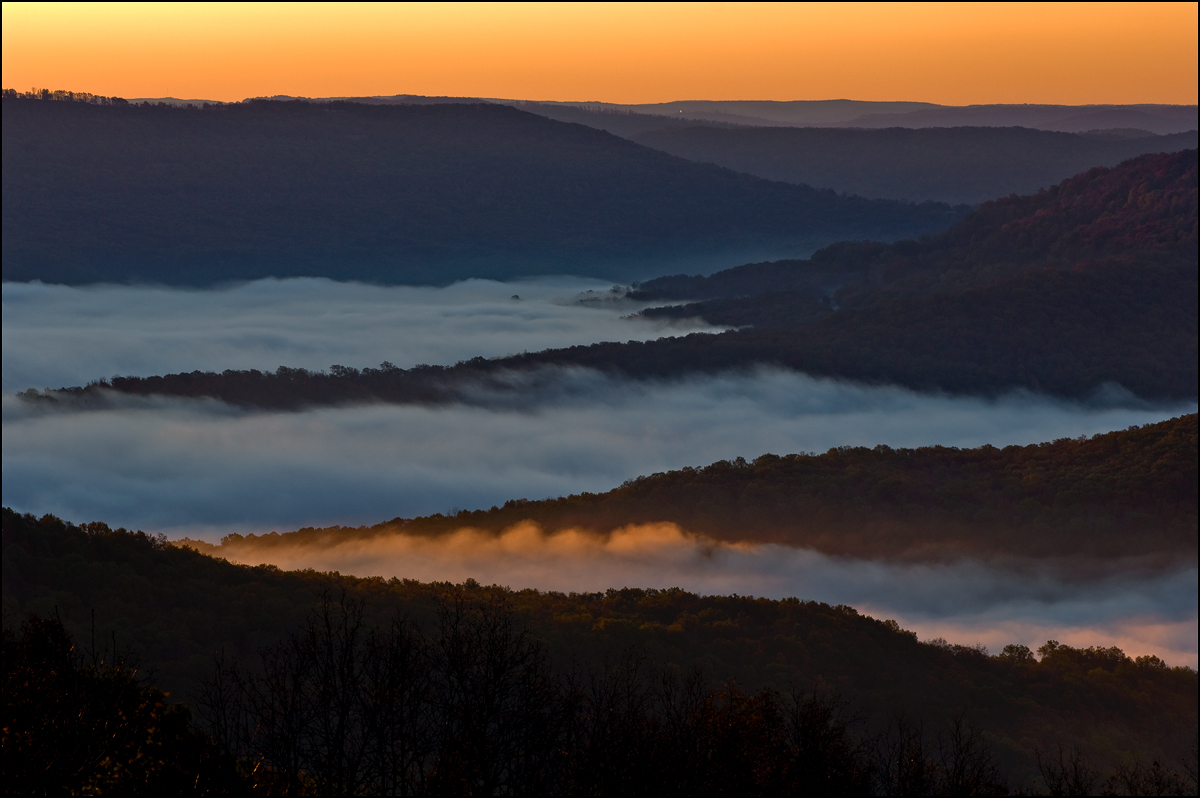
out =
column 957, row 54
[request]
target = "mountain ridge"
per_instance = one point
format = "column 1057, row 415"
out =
column 382, row 193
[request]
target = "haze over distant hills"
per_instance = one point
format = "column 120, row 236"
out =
column 956, row 165
column 907, row 151
column 427, row 193
column 924, row 152
column 1159, row 119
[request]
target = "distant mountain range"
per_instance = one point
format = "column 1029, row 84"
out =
column 906, row 151
column 956, row 165
column 1159, row 119
column 427, row 193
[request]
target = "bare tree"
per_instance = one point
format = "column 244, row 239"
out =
column 1155, row 779
column 902, row 765
column 1068, row 773
column 967, row 766
column 398, row 719
column 495, row 699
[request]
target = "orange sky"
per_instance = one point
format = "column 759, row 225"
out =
column 954, row 54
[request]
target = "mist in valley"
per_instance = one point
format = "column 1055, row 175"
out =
column 57, row 335
column 204, row 469
column 1140, row 606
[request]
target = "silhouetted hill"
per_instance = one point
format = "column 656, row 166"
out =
column 954, row 165
column 177, row 609
column 389, row 193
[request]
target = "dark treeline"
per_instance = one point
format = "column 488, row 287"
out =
column 62, row 95
column 344, row 707
column 425, row 193
column 1130, row 493
column 87, row 721
column 476, row 709
column 1062, row 292
column 948, row 164
column 178, row 608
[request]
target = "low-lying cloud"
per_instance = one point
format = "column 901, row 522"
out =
column 202, row 468
column 57, row 335
column 1141, row 610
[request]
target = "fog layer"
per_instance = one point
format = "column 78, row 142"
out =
column 57, row 336
column 1140, row 609
column 204, row 468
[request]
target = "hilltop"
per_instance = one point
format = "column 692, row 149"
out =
column 420, row 194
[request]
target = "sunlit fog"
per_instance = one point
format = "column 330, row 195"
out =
column 1139, row 608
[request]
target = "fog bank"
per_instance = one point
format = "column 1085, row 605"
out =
column 202, row 468
column 57, row 335
column 1140, row 610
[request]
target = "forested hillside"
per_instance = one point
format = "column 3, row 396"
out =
column 1066, row 292
column 1121, row 494
column 1145, row 208
column 1092, row 281
column 383, row 193
column 176, row 608
column 952, row 164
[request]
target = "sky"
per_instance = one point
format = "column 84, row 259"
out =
column 955, row 54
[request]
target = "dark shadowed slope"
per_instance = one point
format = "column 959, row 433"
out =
column 1121, row 494
column 1141, row 212
column 1090, row 283
column 179, row 608
column 955, row 165
column 387, row 193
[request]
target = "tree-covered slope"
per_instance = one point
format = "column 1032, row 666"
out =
column 1144, row 208
column 385, row 193
column 1130, row 493
column 1065, row 292
column 176, row 608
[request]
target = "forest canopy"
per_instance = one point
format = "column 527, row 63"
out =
column 178, row 608
column 1130, row 493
